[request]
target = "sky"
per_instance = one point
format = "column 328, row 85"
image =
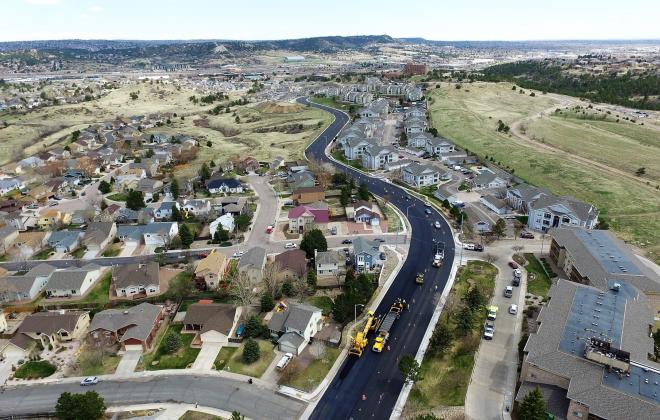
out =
column 286, row 19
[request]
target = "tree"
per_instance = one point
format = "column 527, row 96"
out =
column 89, row 405
column 474, row 299
column 186, row 236
column 176, row 214
column 251, row 351
column 209, row 144
column 181, row 286
column 271, row 279
column 441, row 339
column 174, row 188
column 288, row 289
column 221, row 234
column 235, row 415
column 172, row 342
column 105, row 187
column 533, row 406
column 409, row 368
column 313, row 240
column 339, row 178
column 344, row 196
column 640, row 171
column 363, row 192
column 311, row 280
column 267, row 302
column 499, row 228
column 135, row 200
column 241, row 289
column 253, row 327
column 204, row 172
column 242, row 222
column 464, row 321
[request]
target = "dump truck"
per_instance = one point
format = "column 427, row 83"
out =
column 359, row 342
column 420, row 278
column 386, row 324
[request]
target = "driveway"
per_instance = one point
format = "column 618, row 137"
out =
column 128, row 362
column 206, row 356
column 5, row 367
column 271, row 374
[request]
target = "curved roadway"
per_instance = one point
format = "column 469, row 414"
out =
column 374, row 375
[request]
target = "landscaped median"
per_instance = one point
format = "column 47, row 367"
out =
column 449, row 360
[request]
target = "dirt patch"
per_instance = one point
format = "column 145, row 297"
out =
column 279, row 108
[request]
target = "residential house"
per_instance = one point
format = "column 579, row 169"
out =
column 63, row 241
column 82, row 217
column 522, row 195
column 376, row 157
column 224, row 185
column 437, row 146
column 211, row 269
column 327, row 263
column 148, row 187
column 136, row 280
column 489, row 180
column 49, row 329
column 295, row 327
column 134, row 328
column 354, row 148
column 419, row 140
column 154, row 234
column 414, row 125
column 8, row 185
column 420, row 175
column 125, row 215
column 52, row 219
column 211, row 322
column 252, row 263
column 364, row 212
column 29, row 243
column 198, row 208
column 226, row 221
column 378, row 108
column 497, row 205
column 164, row 211
column 366, row 254
column 26, row 287
column 292, row 265
column 548, row 212
column 300, row 180
column 307, row 195
column 231, row 205
column 8, row 234
column 304, row 218
column 99, row 235
column 73, row 282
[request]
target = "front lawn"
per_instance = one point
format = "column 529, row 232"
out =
column 179, row 360
column 309, row 378
column 43, row 254
column 79, row 252
column 94, row 362
column 223, row 357
column 256, row 369
column 34, row 370
column 112, row 251
column 117, row 197
column 538, row 282
column 446, row 376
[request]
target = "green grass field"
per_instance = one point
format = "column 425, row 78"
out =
column 230, row 359
column 469, row 117
column 179, row 360
column 541, row 283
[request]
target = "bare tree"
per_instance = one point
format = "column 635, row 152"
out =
column 317, row 349
column 241, row 289
column 517, row 248
column 490, row 258
column 290, row 371
column 271, row 279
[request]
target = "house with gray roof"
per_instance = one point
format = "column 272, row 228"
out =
column 437, row 146
column 591, row 348
column 419, row 140
column 488, row 179
column 252, row 263
column 376, row 157
column 378, row 108
column 98, row 235
column 420, row 175
column 548, row 211
column 366, row 254
column 414, row 125
column 8, row 234
column 73, row 282
column 295, row 326
column 155, row 234
column 327, row 262
column 65, row 240
column 520, row 196
column 26, row 287
column 132, row 328
column 355, row 147
column 136, row 280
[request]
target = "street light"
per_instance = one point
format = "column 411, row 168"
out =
column 355, row 311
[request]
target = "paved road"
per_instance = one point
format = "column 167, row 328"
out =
column 226, row 394
column 376, row 375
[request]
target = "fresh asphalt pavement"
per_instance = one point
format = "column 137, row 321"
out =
column 369, row 387
column 226, row 394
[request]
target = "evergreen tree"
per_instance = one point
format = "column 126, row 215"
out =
column 313, row 240
column 174, row 188
column 464, row 321
column 135, row 200
column 253, row 327
column 267, row 303
column 105, row 187
column 311, row 280
column 89, row 405
column 186, row 236
column 172, row 342
column 441, row 339
column 176, row 214
column 287, row 289
column 533, row 406
column 251, row 351
column 363, row 192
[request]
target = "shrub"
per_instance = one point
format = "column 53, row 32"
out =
column 172, row 342
column 251, row 351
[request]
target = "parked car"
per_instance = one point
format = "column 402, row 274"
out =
column 427, row 211
column 469, row 247
column 513, row 309
column 515, row 282
column 437, row 224
column 269, row 229
column 489, row 330
column 517, row 273
column 290, row 245
column 492, row 313
column 90, row 380
column 284, row 361
column 381, row 240
column 478, row 247
column 346, row 241
column 513, row 264
column 508, row 291
column 237, row 254
column 526, row 235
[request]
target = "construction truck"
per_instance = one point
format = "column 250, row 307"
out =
column 359, row 342
column 386, row 324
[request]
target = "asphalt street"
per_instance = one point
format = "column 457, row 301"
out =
column 223, row 393
column 372, row 385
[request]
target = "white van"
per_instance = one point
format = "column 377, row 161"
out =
column 284, row 361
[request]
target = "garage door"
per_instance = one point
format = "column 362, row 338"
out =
column 130, row 347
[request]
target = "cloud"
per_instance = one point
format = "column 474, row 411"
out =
column 95, row 9
column 43, row 2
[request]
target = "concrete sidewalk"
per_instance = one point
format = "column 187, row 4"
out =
column 170, row 411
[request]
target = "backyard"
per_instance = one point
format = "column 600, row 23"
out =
column 100, row 294
column 159, row 359
column 469, row 117
column 446, row 375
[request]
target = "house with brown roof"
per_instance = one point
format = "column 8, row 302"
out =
column 136, row 280
column 306, row 195
column 132, row 328
column 211, row 270
column 49, row 329
column 292, row 265
column 211, row 322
